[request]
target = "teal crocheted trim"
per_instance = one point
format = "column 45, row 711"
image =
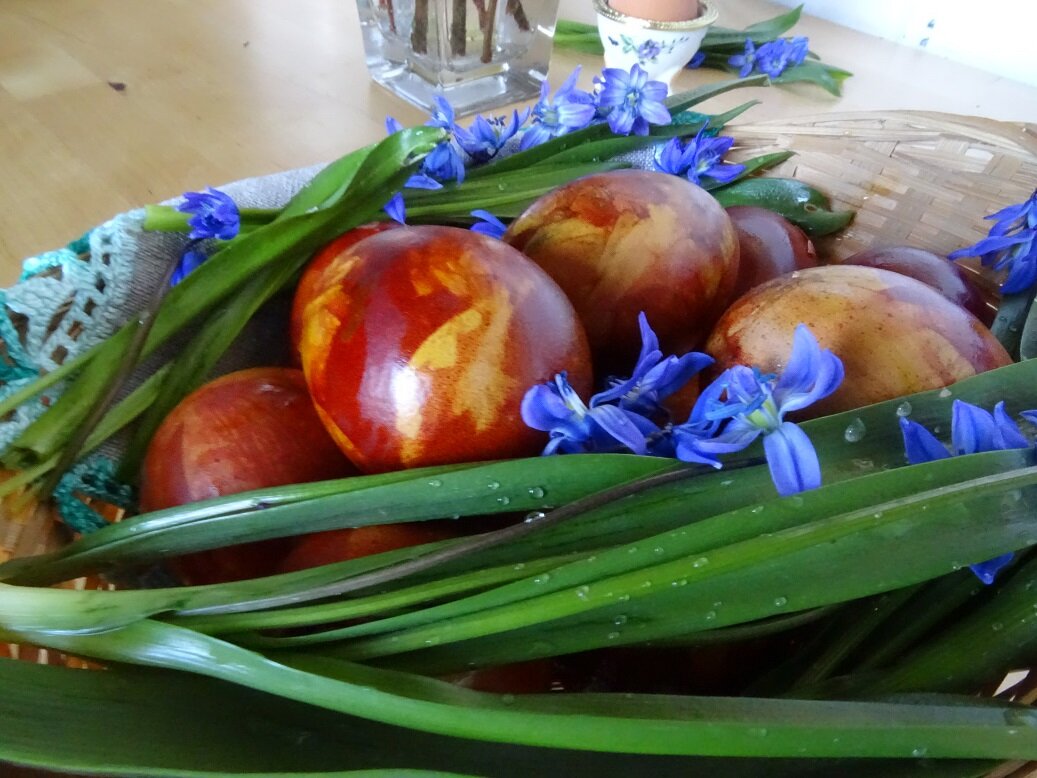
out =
column 16, row 366
column 94, row 478
column 33, row 266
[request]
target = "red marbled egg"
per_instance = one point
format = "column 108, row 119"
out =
column 425, row 339
column 311, row 281
column 628, row 241
column 895, row 335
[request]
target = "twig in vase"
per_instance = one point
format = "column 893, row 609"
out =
column 459, row 28
column 480, row 8
column 419, row 30
column 514, row 7
column 487, row 38
column 391, row 12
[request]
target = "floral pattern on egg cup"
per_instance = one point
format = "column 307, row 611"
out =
column 661, row 48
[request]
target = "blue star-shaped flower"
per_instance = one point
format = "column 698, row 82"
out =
column 973, row 431
column 631, row 102
column 570, row 109
column 484, row 139
column 749, row 404
column 654, row 378
column 556, row 408
column 702, row 157
column 1011, row 245
column 213, row 215
column 488, row 224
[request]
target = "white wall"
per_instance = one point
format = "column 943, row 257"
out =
column 999, row 36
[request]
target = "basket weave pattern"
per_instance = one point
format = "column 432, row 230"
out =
column 914, row 178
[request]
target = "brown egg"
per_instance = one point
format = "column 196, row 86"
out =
column 895, row 335
column 424, row 341
column 938, row 272
column 628, row 241
column 769, row 245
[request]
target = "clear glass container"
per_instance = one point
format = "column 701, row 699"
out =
column 478, row 54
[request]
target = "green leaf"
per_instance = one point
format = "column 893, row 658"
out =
column 827, row 77
column 800, row 203
column 754, row 165
column 642, row 724
column 1010, row 324
column 210, row 729
column 761, row 32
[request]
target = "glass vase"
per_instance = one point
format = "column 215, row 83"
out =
column 478, row 54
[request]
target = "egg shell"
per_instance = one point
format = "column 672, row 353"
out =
column 424, row 341
column 895, row 335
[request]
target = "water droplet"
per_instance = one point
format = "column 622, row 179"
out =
column 728, row 482
column 684, row 582
column 632, row 550
column 710, row 615
column 620, row 620
column 646, row 584
column 756, row 509
column 534, row 516
column 507, row 699
column 623, row 598
column 583, row 592
column 717, row 604
column 493, row 485
column 536, row 492
column 919, row 752
column 432, row 641
column 542, row 578
column 503, row 500
column 863, row 464
column 612, row 635
column 854, row 431
column 904, row 409
column 658, row 550
column 945, row 393
column 501, row 187
column 519, row 566
column 434, row 482
column 700, row 562
column 757, row 731
column 955, row 566
column 796, row 501
column 997, row 626
column 455, row 516
column 781, row 602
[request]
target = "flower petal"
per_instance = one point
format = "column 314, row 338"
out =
column 618, row 425
column 919, row 444
column 1011, row 437
column 972, row 429
column 987, row 571
column 792, row 460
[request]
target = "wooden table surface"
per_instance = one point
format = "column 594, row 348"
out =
column 212, row 92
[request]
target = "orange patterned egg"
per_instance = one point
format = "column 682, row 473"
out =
column 311, row 281
column 423, row 342
column 628, row 241
column 895, row 335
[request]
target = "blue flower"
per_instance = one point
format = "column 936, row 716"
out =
column 648, row 51
column 484, row 139
column 396, row 208
column 703, row 156
column 214, row 215
column 973, row 431
column 654, row 378
column 488, row 224
column 444, row 162
column 750, row 404
column 556, row 408
column 697, row 60
column 798, row 48
column 189, row 261
column 1011, row 245
column 745, row 61
column 571, row 109
column 632, row 102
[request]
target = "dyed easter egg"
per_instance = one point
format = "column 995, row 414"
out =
column 425, row 339
column 310, row 282
column 769, row 245
column 246, row 430
column 628, row 241
column 895, row 335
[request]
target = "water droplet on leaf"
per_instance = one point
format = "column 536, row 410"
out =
column 854, row 431
column 536, row 492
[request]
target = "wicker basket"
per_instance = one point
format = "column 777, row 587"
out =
column 914, row 178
